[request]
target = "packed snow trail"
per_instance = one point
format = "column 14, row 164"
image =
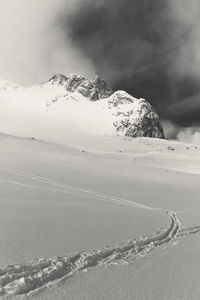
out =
column 21, row 279
column 25, row 278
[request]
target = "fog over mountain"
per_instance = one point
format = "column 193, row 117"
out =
column 34, row 45
column 148, row 48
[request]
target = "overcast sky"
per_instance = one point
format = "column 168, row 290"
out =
column 149, row 48
column 34, row 45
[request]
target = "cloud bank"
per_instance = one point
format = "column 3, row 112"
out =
column 149, row 48
column 33, row 44
column 190, row 134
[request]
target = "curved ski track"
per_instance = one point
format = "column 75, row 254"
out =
column 22, row 279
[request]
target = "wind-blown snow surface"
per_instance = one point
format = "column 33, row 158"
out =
column 75, row 197
column 107, row 201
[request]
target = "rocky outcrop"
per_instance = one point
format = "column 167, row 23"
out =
column 130, row 116
column 58, row 79
column 135, row 117
column 94, row 89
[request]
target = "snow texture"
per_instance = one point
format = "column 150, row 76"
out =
column 21, row 279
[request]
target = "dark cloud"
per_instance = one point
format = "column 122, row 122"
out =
column 134, row 44
column 187, row 111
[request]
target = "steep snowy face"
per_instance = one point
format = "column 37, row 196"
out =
column 94, row 89
column 135, row 117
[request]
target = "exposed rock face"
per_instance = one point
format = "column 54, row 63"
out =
column 130, row 116
column 58, row 79
column 94, row 89
column 135, row 117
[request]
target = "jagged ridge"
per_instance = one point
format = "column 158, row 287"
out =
column 94, row 89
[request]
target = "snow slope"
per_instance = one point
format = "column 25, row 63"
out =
column 59, row 204
column 79, row 198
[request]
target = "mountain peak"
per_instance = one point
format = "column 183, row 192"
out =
column 134, row 117
column 130, row 116
column 94, row 89
column 58, row 78
column 116, row 111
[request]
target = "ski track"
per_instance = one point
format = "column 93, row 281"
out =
column 40, row 273
column 68, row 188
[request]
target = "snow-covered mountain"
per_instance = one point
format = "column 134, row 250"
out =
column 75, row 105
column 100, row 201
